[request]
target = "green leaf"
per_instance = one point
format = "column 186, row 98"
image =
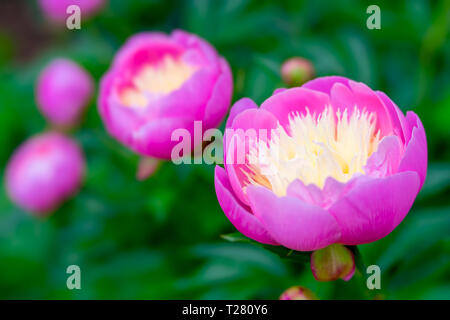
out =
column 300, row 257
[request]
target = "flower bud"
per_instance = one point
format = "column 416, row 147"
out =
column 296, row 71
column 298, row 293
column 333, row 262
column 56, row 10
column 43, row 172
column 146, row 167
column 63, row 91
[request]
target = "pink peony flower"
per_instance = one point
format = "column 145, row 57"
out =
column 342, row 165
column 44, row 171
column 63, row 91
column 159, row 83
column 56, row 10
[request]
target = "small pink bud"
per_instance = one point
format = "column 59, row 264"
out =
column 333, row 262
column 63, row 91
column 146, row 167
column 298, row 293
column 296, row 71
column 44, row 171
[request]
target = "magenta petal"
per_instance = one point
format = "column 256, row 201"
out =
column 311, row 194
column 238, row 107
column 292, row 222
column 237, row 144
column 398, row 118
column 386, row 159
column 415, row 157
column 279, row 90
column 359, row 95
column 219, row 102
column 154, row 139
column 373, row 208
column 324, row 84
column 293, row 101
column 238, row 213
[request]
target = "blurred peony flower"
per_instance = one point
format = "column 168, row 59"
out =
column 341, row 165
column 159, row 83
column 63, row 91
column 298, row 293
column 56, row 10
column 296, row 71
column 44, row 171
column 333, row 262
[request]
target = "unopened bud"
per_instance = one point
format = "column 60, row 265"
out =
column 298, row 293
column 333, row 262
column 296, row 71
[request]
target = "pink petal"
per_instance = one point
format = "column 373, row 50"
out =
column 292, row 222
column 237, row 212
column 238, row 107
column 397, row 116
column 220, row 99
column 373, row 208
column 415, row 157
column 296, row 100
column 154, row 139
column 359, row 95
column 239, row 142
column 279, row 90
column 386, row 159
column 324, row 84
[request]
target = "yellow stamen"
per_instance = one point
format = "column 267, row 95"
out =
column 160, row 79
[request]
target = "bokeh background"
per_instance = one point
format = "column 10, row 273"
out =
column 160, row 239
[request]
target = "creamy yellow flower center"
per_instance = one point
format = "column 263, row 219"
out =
column 159, row 79
column 332, row 144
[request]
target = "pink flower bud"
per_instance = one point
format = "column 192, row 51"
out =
column 298, row 293
column 146, row 167
column 63, row 91
column 333, row 262
column 296, row 71
column 44, row 171
column 56, row 10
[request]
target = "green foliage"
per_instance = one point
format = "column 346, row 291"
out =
column 160, row 238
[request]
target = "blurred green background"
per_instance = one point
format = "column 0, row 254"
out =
column 160, row 239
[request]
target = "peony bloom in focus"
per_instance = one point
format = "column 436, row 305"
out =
column 63, row 92
column 159, row 83
column 44, row 171
column 56, row 10
column 341, row 164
